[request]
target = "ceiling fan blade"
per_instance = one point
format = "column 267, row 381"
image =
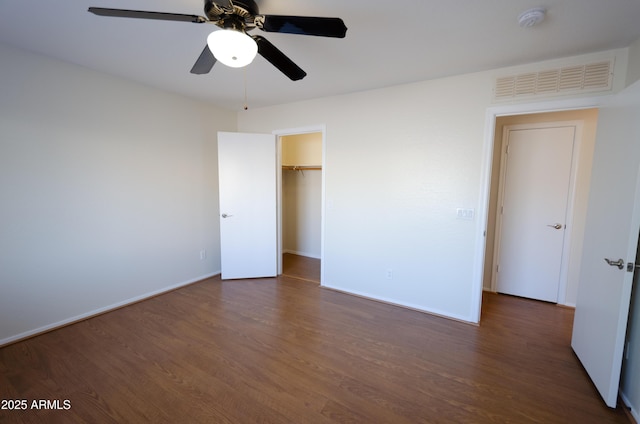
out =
column 205, row 62
column 141, row 14
column 278, row 59
column 304, row 25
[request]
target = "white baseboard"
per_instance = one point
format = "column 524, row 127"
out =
column 418, row 308
column 99, row 311
column 306, row 254
column 633, row 409
column 566, row 304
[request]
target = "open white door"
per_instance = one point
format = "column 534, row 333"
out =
column 613, row 221
column 247, row 186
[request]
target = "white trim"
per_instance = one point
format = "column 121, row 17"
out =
column 569, row 221
column 483, row 219
column 389, row 301
column 321, row 128
column 301, row 130
column 99, row 311
column 498, row 224
column 632, row 409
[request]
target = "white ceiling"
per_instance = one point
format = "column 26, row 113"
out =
column 387, row 42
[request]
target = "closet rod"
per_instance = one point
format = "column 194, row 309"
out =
column 301, row 167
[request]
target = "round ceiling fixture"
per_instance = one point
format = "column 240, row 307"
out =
column 231, row 47
column 531, row 17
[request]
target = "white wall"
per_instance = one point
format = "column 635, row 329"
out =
column 633, row 71
column 301, row 212
column 302, row 149
column 302, row 194
column 399, row 161
column 108, row 188
column 109, row 191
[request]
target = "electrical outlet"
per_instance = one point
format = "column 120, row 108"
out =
column 389, row 274
column 203, row 254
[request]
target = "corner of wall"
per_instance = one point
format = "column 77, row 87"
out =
column 633, row 65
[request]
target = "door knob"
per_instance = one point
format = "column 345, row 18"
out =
column 556, row 226
column 619, row 263
column 224, row 215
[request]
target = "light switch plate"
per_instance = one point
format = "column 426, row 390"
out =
column 465, row 213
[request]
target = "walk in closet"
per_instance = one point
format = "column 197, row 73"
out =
column 301, row 195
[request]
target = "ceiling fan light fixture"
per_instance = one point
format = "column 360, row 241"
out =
column 233, row 48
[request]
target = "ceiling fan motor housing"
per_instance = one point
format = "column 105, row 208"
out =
column 241, row 18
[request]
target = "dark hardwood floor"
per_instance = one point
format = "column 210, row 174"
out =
column 284, row 350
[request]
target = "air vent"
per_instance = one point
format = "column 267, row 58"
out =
column 570, row 79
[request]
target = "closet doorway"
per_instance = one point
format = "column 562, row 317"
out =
column 301, row 205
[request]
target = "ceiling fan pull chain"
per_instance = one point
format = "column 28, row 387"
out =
column 245, row 89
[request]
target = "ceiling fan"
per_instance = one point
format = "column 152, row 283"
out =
column 236, row 18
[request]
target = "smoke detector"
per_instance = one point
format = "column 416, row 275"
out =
column 531, row 17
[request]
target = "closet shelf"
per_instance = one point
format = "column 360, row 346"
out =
column 302, row 167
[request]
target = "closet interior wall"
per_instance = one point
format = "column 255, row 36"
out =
column 301, row 194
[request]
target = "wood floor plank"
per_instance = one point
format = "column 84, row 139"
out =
column 284, row 350
column 302, row 267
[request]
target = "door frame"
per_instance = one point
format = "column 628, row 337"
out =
column 320, row 128
column 491, row 114
column 571, row 195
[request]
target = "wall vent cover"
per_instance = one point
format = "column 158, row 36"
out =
column 570, row 79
